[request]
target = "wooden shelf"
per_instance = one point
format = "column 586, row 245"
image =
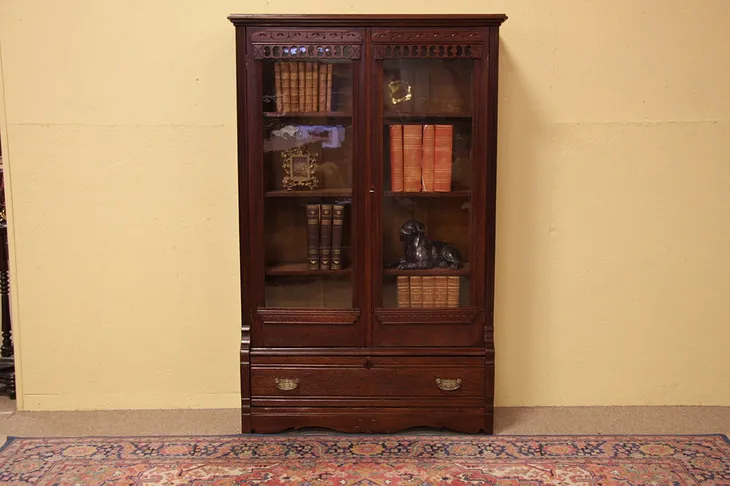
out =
column 390, row 117
column 308, row 114
column 301, row 269
column 306, row 193
column 463, row 194
column 430, row 272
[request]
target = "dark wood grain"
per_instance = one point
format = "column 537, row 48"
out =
column 367, row 368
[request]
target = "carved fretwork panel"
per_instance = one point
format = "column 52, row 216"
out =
column 444, row 51
column 311, row 51
column 413, row 36
column 305, row 36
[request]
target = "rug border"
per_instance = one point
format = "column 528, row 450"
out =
column 12, row 438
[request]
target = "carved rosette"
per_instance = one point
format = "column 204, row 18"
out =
column 424, row 51
column 311, row 51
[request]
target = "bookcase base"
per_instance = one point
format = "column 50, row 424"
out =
column 370, row 420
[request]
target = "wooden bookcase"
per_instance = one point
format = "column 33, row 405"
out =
column 323, row 106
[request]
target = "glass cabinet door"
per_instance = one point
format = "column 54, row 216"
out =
column 308, row 162
column 430, row 182
column 303, row 187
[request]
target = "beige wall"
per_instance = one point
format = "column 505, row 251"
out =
column 613, row 221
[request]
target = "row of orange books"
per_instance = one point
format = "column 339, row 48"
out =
column 303, row 86
column 428, row 291
column 421, row 158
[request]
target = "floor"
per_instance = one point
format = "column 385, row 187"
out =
column 508, row 421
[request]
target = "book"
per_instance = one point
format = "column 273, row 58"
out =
column 294, row 86
column 313, row 236
column 396, row 158
column 416, row 285
column 308, row 85
column 277, row 86
column 302, row 85
column 452, row 297
column 429, row 291
column 325, row 237
column 404, row 291
column 315, row 86
column 323, row 87
column 328, row 105
column 441, row 289
column 443, row 149
column 428, row 157
column 412, row 158
column 338, row 220
column 285, row 89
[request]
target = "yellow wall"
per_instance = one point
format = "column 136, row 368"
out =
column 613, row 218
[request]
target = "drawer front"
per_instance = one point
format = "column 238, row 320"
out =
column 368, row 377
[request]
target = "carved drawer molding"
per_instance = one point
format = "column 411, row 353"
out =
column 307, row 316
column 462, row 315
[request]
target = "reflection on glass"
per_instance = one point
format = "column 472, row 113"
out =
column 307, row 168
column 427, row 86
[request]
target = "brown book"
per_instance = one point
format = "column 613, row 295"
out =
column 285, row 87
column 308, row 85
column 404, row 291
column 396, row 158
column 441, row 289
column 302, row 86
column 322, row 98
column 416, row 291
column 313, row 236
column 329, row 87
column 429, row 291
column 429, row 136
column 315, row 86
column 338, row 220
column 452, row 297
column 277, row 86
column 443, row 148
column 294, row 86
column 325, row 237
column 412, row 158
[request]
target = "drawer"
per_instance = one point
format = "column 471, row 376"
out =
column 387, row 377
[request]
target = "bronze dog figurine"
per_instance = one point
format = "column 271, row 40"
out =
column 421, row 253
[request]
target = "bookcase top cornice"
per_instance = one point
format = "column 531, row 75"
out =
column 390, row 20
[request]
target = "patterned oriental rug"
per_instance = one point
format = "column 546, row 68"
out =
column 368, row 460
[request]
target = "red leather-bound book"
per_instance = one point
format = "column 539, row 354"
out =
column 429, row 155
column 443, row 148
column 412, row 158
column 396, row 158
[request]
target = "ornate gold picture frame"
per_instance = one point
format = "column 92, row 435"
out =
column 299, row 166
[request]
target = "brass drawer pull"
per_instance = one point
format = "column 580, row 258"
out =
column 448, row 384
column 287, row 384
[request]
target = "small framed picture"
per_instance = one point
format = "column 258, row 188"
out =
column 299, row 166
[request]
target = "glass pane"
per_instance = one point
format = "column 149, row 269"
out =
column 308, row 164
column 427, row 176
